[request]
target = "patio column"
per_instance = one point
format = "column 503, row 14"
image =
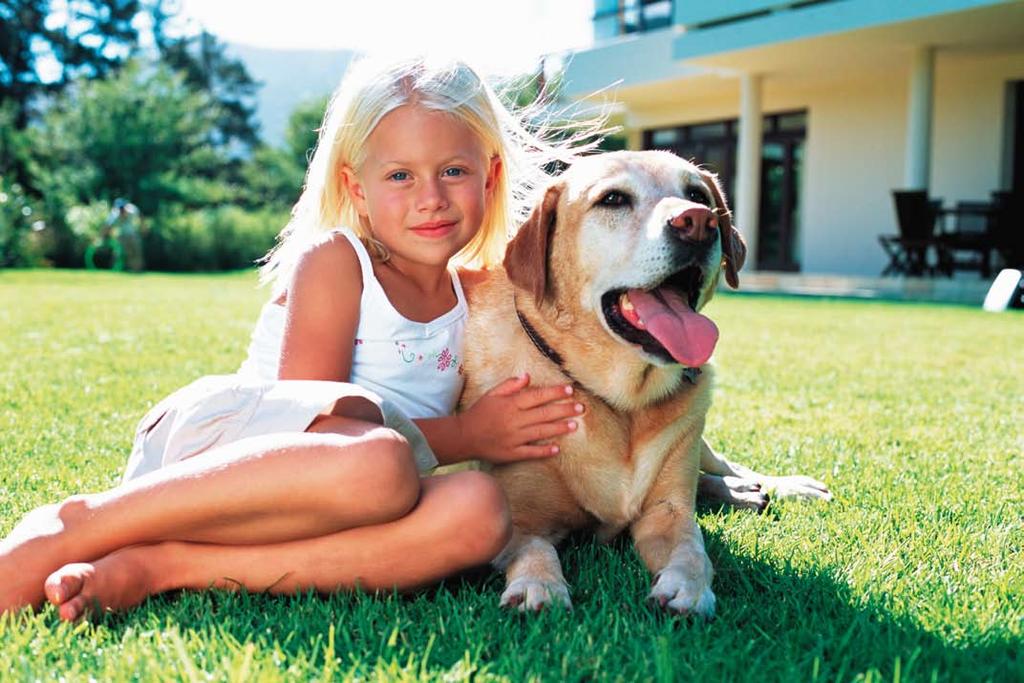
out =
column 634, row 131
column 747, row 202
column 917, row 166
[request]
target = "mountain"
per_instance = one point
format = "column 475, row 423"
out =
column 289, row 77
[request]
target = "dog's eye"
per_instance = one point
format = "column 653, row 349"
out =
column 696, row 194
column 614, row 198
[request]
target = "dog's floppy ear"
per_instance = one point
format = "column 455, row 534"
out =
column 734, row 249
column 526, row 258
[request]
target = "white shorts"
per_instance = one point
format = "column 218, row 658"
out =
column 221, row 409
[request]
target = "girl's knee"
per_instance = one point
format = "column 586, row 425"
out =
column 483, row 522
column 378, row 461
column 393, row 476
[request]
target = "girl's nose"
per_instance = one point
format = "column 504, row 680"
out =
column 432, row 196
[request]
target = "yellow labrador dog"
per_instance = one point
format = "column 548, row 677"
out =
column 602, row 286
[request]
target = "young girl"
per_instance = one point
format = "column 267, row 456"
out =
column 285, row 476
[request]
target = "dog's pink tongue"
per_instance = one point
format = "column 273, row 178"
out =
column 686, row 334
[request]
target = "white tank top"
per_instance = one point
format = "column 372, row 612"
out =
column 416, row 366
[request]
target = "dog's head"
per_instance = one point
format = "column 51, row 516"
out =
column 637, row 239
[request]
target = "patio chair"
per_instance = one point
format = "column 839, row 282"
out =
column 916, row 216
column 971, row 243
column 1008, row 227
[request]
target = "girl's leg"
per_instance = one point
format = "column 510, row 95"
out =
column 256, row 491
column 461, row 521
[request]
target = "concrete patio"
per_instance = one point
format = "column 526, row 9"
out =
column 968, row 291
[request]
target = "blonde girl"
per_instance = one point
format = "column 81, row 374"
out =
column 303, row 469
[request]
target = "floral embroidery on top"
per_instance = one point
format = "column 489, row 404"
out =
column 405, row 354
column 445, row 359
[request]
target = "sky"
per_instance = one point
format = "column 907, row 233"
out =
column 499, row 36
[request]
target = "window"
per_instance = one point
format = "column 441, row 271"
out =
column 619, row 17
column 665, row 137
column 708, row 131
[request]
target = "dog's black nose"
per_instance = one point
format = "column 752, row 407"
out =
column 694, row 223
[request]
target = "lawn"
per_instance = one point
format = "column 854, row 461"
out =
column 913, row 414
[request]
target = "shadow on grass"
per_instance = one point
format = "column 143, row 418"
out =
column 774, row 622
column 812, row 617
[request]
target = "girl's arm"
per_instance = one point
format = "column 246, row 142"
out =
column 323, row 313
column 445, row 436
column 505, row 424
column 320, row 328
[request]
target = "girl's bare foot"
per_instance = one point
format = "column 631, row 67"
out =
column 112, row 583
column 33, row 549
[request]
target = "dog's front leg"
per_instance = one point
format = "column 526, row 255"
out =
column 728, row 482
column 533, row 574
column 670, row 542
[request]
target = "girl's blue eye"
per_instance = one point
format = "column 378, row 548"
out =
column 453, row 172
column 399, row 175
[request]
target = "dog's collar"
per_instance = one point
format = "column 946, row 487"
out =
column 542, row 345
column 690, row 374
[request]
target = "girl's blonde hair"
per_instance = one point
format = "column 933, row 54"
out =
column 367, row 93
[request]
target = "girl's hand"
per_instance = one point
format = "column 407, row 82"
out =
column 504, row 424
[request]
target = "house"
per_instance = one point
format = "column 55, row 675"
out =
column 813, row 112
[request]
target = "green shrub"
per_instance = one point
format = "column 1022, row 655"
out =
column 86, row 220
column 84, row 224
column 222, row 238
column 21, row 228
column 242, row 237
column 178, row 241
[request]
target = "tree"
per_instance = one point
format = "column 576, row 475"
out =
column 15, row 148
column 206, row 67
column 142, row 134
column 303, row 128
column 274, row 175
column 43, row 48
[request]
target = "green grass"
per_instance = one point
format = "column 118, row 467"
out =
column 913, row 414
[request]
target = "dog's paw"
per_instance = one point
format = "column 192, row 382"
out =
column 796, row 487
column 675, row 592
column 530, row 594
column 745, row 494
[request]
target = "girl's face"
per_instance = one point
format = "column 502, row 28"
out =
column 424, row 185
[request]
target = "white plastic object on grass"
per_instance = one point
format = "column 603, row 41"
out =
column 1007, row 291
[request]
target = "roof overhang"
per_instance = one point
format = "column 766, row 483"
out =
column 831, row 39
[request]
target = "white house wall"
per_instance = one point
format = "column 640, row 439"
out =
column 853, row 161
column 969, row 124
column 854, row 153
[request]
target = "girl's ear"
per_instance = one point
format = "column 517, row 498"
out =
column 494, row 171
column 350, row 183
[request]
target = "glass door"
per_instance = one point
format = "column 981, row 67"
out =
column 1017, row 178
column 780, row 211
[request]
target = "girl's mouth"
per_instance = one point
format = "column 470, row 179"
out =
column 434, row 228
